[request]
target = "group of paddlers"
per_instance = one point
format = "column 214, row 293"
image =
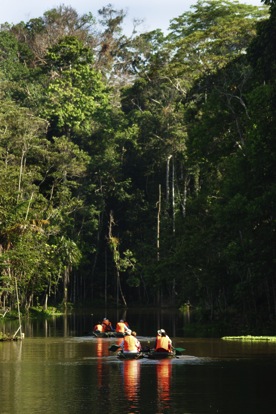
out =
column 130, row 342
column 106, row 326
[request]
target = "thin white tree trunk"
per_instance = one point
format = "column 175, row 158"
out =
column 18, row 310
column 29, row 204
column 173, row 197
column 158, row 224
column 168, row 180
column 20, row 174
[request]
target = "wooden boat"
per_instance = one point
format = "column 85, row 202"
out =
column 108, row 334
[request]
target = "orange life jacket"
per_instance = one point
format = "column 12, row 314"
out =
column 107, row 326
column 162, row 342
column 120, row 327
column 98, row 327
column 130, row 343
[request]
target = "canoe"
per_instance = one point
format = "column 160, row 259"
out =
column 130, row 355
column 160, row 355
column 108, row 334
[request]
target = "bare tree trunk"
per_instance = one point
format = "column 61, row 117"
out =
column 29, row 204
column 74, row 289
column 20, row 174
column 168, row 180
column 158, row 224
column 184, row 201
column 96, row 254
column 18, row 310
column 105, row 278
column 114, row 245
column 119, row 288
column 45, row 306
column 65, row 285
column 173, row 197
column 158, row 236
column 29, row 302
column 173, row 220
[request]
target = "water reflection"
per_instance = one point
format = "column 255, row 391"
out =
column 102, row 348
column 129, row 371
column 164, row 375
column 60, row 368
column 131, row 379
column 80, row 375
column 102, row 372
column 157, row 378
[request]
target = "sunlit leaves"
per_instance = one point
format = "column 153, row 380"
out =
column 76, row 93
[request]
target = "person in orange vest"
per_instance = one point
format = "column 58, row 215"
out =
column 107, row 325
column 138, row 344
column 130, row 343
column 121, row 327
column 163, row 343
column 98, row 327
column 169, row 339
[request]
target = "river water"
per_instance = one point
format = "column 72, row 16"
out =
column 60, row 368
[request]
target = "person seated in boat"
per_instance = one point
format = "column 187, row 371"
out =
column 138, row 344
column 158, row 334
column 107, row 325
column 163, row 343
column 164, row 332
column 98, row 328
column 130, row 344
column 121, row 327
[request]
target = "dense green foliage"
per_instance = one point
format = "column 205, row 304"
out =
column 140, row 169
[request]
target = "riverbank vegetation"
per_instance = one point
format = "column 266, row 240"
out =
column 140, row 169
column 8, row 338
column 250, row 338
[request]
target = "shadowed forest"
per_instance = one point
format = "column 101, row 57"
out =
column 140, row 170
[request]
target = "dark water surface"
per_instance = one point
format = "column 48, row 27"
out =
column 59, row 368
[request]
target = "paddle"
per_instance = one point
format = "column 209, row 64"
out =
column 114, row 348
column 178, row 351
